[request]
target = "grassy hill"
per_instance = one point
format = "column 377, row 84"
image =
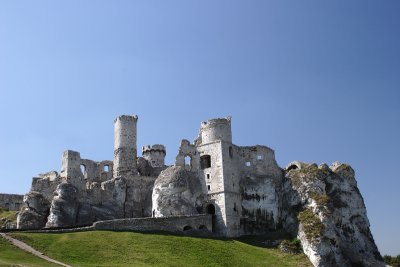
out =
column 12, row 256
column 106, row 248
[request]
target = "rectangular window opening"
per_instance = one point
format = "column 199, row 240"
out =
column 260, row 157
column 208, row 176
column 208, row 187
column 248, row 163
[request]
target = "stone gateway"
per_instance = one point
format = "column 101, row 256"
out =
column 214, row 187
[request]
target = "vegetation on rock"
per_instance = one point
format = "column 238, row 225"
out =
column 308, row 173
column 321, row 199
column 291, row 246
column 313, row 227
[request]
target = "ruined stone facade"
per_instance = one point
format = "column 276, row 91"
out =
column 239, row 183
column 215, row 186
column 11, row 201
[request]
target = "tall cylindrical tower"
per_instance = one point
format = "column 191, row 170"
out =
column 125, row 151
column 216, row 129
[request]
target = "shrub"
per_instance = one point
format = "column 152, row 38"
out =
column 312, row 226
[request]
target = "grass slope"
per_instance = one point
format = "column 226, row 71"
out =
column 106, row 248
column 13, row 256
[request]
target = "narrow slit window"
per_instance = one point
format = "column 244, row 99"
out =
column 208, row 187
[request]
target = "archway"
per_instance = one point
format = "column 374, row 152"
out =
column 292, row 167
column 187, row 227
column 188, row 162
column 210, row 209
column 202, row 227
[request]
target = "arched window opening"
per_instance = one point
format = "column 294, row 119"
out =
column 211, row 209
column 106, row 168
column 83, row 169
column 187, row 227
column 188, row 162
column 292, row 167
column 205, row 161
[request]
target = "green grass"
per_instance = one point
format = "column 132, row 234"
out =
column 13, row 256
column 106, row 248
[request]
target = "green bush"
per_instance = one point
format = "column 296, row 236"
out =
column 392, row 261
column 291, row 246
column 312, row 226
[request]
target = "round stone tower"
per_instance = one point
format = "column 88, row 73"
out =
column 125, row 150
column 216, row 129
column 154, row 154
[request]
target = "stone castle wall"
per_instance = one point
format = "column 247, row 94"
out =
column 176, row 224
column 11, row 201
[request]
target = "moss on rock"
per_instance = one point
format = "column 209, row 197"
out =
column 312, row 226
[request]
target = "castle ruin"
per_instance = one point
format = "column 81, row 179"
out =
column 214, row 187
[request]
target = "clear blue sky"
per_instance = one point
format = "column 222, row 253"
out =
column 317, row 81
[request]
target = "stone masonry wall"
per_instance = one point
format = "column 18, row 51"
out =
column 11, row 201
column 177, row 224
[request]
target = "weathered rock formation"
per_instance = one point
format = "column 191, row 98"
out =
column 34, row 214
column 326, row 207
column 177, row 192
column 64, row 206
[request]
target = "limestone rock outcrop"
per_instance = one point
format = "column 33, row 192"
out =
column 177, row 192
column 64, row 206
column 325, row 206
column 34, row 212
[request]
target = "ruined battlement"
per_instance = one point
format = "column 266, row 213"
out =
column 214, row 122
column 155, row 155
column 215, row 129
column 126, row 118
column 153, row 148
